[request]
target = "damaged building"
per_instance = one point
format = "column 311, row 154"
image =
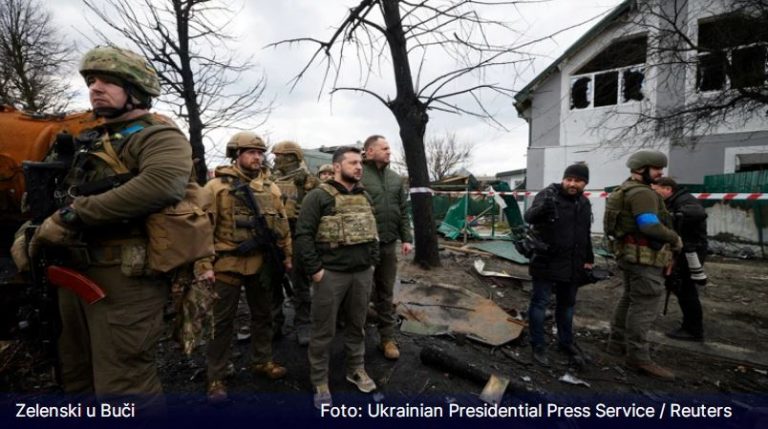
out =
column 596, row 103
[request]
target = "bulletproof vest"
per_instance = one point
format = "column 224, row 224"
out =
column 352, row 221
column 97, row 165
column 624, row 237
column 236, row 220
column 293, row 187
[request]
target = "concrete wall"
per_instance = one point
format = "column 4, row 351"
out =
column 545, row 113
column 714, row 154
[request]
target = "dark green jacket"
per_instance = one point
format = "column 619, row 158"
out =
column 315, row 256
column 390, row 203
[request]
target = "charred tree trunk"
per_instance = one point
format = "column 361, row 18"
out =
column 412, row 117
column 194, row 121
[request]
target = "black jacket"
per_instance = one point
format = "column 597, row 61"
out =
column 689, row 220
column 567, row 231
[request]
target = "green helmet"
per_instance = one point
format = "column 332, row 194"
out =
column 244, row 140
column 123, row 64
column 647, row 158
column 288, row 147
column 325, row 168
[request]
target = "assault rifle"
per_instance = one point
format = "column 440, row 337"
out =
column 263, row 239
column 37, row 315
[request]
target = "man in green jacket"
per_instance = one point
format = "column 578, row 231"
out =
column 340, row 261
column 107, row 348
column 638, row 227
column 390, row 204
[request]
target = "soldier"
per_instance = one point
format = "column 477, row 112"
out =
column 561, row 216
column 249, row 219
column 108, row 348
column 690, row 221
column 325, row 172
column 390, row 203
column 341, row 262
column 293, row 178
column 639, row 229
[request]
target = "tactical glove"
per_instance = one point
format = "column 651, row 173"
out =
column 52, row 232
column 678, row 246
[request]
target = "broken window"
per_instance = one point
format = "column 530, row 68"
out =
column 733, row 53
column 632, row 84
column 606, row 88
column 581, row 92
column 613, row 76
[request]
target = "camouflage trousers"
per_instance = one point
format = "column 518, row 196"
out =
column 337, row 289
column 637, row 308
column 108, row 348
column 384, row 277
column 258, row 295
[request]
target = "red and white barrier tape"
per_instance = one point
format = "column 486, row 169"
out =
column 755, row 196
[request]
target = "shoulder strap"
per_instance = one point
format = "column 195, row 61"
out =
column 329, row 189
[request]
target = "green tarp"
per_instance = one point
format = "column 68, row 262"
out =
column 502, row 249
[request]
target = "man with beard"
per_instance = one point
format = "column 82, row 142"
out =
column 338, row 245
column 390, row 203
column 241, row 258
column 639, row 230
column 561, row 217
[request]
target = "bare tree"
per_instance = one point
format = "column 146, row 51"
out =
column 34, row 58
column 405, row 34
column 202, row 78
column 444, row 153
column 710, row 67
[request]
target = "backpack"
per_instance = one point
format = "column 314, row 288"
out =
column 181, row 233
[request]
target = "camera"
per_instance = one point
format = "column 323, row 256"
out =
column 528, row 244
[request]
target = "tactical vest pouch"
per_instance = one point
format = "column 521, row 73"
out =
column 352, row 222
column 637, row 252
column 133, row 260
column 182, row 233
column 178, row 235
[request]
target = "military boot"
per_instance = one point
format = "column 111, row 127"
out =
column 322, row 396
column 389, row 347
column 217, row 392
column 271, row 370
column 651, row 368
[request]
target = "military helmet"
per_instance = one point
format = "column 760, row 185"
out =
column 325, row 168
column 244, row 140
column 123, row 64
column 646, row 158
column 288, row 147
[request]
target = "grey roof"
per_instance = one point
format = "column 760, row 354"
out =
column 511, row 172
column 525, row 94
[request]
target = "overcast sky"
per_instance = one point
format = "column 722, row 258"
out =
column 313, row 118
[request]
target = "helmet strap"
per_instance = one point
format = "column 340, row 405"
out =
column 647, row 176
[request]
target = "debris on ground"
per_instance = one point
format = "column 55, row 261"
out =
column 572, row 379
column 464, row 312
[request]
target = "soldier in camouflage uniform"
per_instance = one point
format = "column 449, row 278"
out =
column 639, row 229
column 293, row 178
column 325, row 172
column 108, row 348
column 340, row 260
column 239, row 263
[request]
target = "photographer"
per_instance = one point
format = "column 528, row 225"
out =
column 690, row 221
column 561, row 217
